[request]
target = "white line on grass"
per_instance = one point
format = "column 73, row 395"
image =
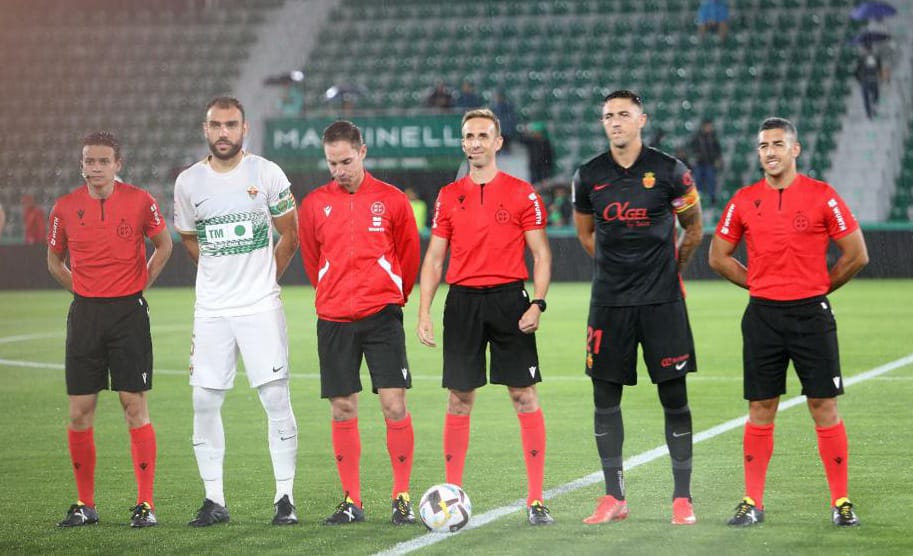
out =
column 630, row 463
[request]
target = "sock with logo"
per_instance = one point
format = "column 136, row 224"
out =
column 679, row 439
column 143, row 450
column 532, row 433
column 400, row 446
column 347, row 448
column 609, row 432
column 456, row 445
column 758, row 447
column 82, row 454
column 834, row 452
column 282, row 433
column 209, row 440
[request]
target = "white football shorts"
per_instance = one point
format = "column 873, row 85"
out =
column 261, row 338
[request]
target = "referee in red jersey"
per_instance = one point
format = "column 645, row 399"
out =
column 787, row 220
column 360, row 248
column 487, row 219
column 102, row 225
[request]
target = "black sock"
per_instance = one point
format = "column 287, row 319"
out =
column 610, row 437
column 679, row 439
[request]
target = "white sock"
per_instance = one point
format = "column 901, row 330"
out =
column 282, row 434
column 209, row 440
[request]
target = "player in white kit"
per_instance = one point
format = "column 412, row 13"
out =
column 225, row 208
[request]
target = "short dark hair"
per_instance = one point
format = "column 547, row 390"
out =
column 624, row 93
column 483, row 113
column 779, row 123
column 343, row 130
column 227, row 102
column 105, row 139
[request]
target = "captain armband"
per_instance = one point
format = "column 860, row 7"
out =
column 686, row 201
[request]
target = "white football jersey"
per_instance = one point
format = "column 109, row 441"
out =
column 231, row 214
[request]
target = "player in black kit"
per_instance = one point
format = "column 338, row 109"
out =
column 626, row 204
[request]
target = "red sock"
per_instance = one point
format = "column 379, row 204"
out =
column 532, row 432
column 82, row 454
column 400, row 446
column 142, row 448
column 758, row 446
column 347, row 447
column 456, row 444
column 832, row 446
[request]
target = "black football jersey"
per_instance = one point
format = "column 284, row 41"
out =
column 634, row 212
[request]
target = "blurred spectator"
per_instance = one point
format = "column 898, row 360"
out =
column 560, row 210
column 507, row 114
column 2, row 220
column 33, row 221
column 708, row 158
column 468, row 98
column 713, row 15
column 292, row 102
column 440, row 97
column 681, row 153
column 869, row 73
column 419, row 209
column 541, row 155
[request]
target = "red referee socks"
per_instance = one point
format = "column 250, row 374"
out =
column 758, row 446
column 532, row 432
column 82, row 454
column 400, row 446
column 456, row 444
column 143, row 450
column 832, row 446
column 347, row 447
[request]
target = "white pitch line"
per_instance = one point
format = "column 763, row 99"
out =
column 640, row 459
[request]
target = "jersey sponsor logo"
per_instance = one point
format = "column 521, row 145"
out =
column 124, row 230
column 679, row 361
column 156, row 214
column 649, row 180
column 502, row 216
column 55, row 227
column 536, row 206
column 724, row 229
column 625, row 213
column 600, row 186
column 835, row 207
column 378, row 208
column 377, row 224
column 252, row 191
column 234, row 234
column 800, row 222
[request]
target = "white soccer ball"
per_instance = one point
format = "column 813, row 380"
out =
column 445, row 508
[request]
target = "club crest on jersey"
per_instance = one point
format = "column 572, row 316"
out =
column 252, row 191
column 124, row 230
column 377, row 208
column 502, row 216
column 649, row 180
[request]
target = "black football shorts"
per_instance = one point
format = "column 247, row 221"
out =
column 480, row 318
column 379, row 338
column 777, row 332
column 663, row 330
column 108, row 337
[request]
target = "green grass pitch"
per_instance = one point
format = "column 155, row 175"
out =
column 875, row 319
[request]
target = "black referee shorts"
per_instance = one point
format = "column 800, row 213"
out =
column 108, row 337
column 475, row 318
column 777, row 332
column 379, row 338
column 663, row 330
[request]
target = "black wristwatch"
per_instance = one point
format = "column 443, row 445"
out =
column 539, row 302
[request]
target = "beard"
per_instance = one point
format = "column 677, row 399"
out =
column 229, row 154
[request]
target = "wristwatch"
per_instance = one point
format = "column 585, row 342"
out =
column 539, row 302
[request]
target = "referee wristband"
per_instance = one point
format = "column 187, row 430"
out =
column 540, row 302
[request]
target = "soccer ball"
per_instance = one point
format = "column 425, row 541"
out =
column 445, row 508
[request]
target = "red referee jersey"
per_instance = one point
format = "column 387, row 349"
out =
column 360, row 250
column 485, row 225
column 787, row 232
column 105, row 238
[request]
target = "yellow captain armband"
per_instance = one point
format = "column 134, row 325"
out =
column 686, row 201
